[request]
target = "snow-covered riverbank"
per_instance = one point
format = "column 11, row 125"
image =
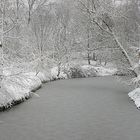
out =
column 135, row 96
column 19, row 87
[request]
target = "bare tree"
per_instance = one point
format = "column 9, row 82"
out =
column 8, row 24
column 102, row 16
column 33, row 5
column 42, row 27
column 30, row 8
column 60, row 34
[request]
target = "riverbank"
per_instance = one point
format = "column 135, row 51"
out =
column 20, row 87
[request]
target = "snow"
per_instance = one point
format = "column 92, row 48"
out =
column 89, row 71
column 5, row 98
column 44, row 76
column 54, row 73
column 18, row 87
column 135, row 96
column 102, row 71
column 137, row 103
column 31, row 81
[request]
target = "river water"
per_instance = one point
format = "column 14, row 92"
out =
column 77, row 109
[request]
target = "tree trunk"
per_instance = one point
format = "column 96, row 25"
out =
column 2, row 32
column 125, row 54
column 89, row 58
column 29, row 17
column 59, row 69
column 93, row 57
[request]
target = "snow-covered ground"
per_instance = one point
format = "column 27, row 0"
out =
column 135, row 96
column 17, row 88
column 103, row 71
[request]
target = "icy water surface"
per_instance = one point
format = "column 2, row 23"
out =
column 77, row 109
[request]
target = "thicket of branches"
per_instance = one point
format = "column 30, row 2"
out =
column 56, row 32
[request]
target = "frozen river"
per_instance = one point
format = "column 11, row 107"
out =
column 77, row 109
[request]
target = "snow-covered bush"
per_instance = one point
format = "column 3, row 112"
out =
column 103, row 71
column 89, row 71
column 54, row 74
column 77, row 71
column 122, row 72
column 74, row 72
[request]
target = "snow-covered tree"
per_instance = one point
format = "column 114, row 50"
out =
column 103, row 15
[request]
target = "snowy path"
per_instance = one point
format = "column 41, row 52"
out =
column 77, row 109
